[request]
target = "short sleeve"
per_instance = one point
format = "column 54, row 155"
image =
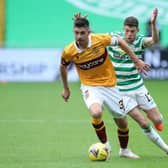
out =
column 105, row 39
column 64, row 58
column 114, row 40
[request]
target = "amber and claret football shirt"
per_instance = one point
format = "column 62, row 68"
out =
column 93, row 63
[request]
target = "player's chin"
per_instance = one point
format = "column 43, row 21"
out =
column 130, row 40
column 80, row 41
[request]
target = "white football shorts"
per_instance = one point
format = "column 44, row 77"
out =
column 108, row 96
column 139, row 97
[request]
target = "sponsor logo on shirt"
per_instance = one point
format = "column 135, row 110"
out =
column 93, row 63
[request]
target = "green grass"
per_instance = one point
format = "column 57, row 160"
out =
column 39, row 130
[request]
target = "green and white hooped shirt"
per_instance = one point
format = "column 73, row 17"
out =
column 128, row 78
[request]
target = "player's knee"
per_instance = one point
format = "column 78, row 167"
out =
column 96, row 115
column 158, row 123
column 155, row 116
column 160, row 119
column 96, row 111
column 144, row 124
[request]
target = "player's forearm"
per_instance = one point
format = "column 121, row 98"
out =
column 64, row 77
column 128, row 50
column 155, row 34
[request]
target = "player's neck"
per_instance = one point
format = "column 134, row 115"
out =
column 82, row 45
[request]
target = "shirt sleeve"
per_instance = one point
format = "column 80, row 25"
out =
column 64, row 59
column 105, row 39
column 114, row 40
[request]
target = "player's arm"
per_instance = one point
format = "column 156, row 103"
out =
column 64, row 77
column 155, row 35
column 140, row 65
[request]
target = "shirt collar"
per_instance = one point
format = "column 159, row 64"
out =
column 89, row 44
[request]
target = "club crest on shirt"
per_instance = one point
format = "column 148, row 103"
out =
column 86, row 94
column 95, row 50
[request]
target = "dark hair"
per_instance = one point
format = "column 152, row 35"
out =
column 131, row 21
column 81, row 22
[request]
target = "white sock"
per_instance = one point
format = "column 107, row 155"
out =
column 155, row 138
column 108, row 146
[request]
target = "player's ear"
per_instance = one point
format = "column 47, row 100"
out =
column 89, row 31
column 137, row 29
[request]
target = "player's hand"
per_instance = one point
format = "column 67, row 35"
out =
column 66, row 94
column 154, row 16
column 78, row 16
column 142, row 67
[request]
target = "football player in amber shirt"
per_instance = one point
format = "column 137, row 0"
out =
column 92, row 64
column 98, row 81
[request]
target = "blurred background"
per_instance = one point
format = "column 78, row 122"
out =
column 34, row 32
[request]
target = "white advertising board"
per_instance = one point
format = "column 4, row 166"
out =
column 31, row 65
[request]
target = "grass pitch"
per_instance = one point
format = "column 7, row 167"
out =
column 39, row 130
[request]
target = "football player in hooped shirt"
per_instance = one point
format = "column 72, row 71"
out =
column 130, row 82
column 98, row 81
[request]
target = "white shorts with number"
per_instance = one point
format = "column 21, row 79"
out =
column 109, row 96
column 139, row 97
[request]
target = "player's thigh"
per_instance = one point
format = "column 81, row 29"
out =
column 92, row 98
column 138, row 117
column 144, row 99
